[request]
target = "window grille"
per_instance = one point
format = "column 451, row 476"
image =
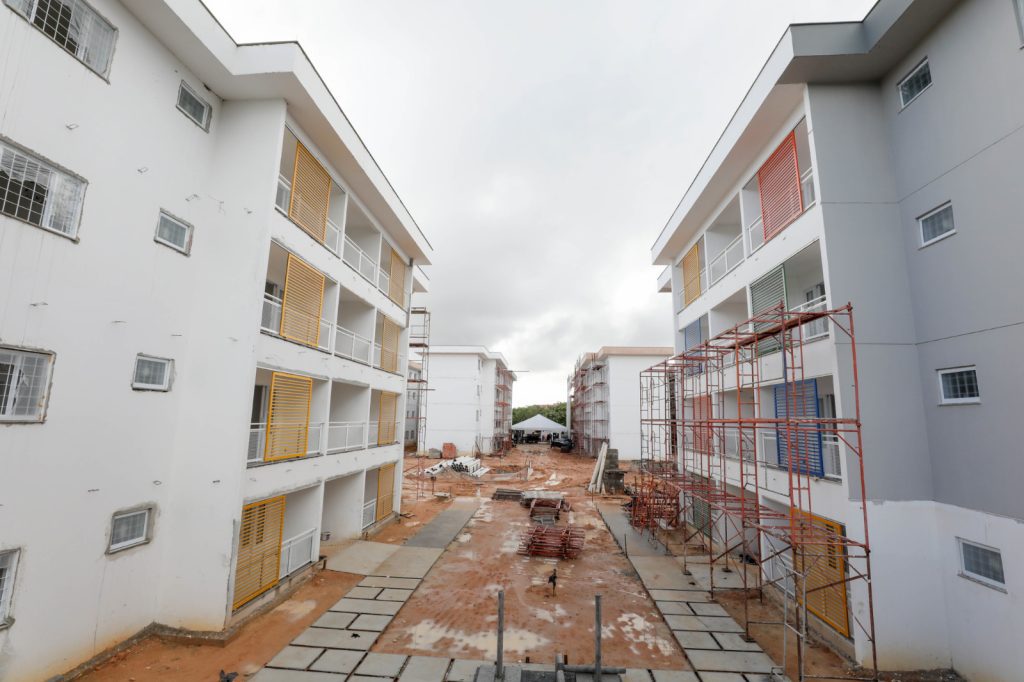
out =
column 129, row 529
column 24, row 381
column 194, row 106
column 959, row 385
column 915, row 83
column 936, row 224
column 37, row 193
column 8, row 564
column 982, row 563
column 152, row 374
column 73, row 25
column 175, row 233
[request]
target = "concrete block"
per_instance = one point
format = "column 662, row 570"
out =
column 367, row 678
column 425, row 669
column 674, row 676
column 338, row 661
column 722, row 677
column 730, row 661
column 335, row 619
column 636, row 675
column 709, row 609
column 379, row 608
column 393, row 594
column 685, row 623
column 690, row 639
column 383, row 581
column 367, row 621
column 295, row 657
column 409, row 562
column 732, row 641
column 362, row 592
column 674, row 608
column 354, row 640
column 381, row 665
column 279, row 675
column 680, row 595
column 464, row 671
column 720, row 624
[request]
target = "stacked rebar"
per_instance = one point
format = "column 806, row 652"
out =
column 556, row 542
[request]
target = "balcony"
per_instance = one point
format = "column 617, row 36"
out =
column 729, row 258
column 348, row 344
column 270, row 322
column 369, row 513
column 360, row 261
column 346, row 436
column 258, row 440
column 383, row 433
column 814, row 329
column 297, row 552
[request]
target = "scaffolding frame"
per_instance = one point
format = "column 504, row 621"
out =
column 588, row 399
column 419, row 344
column 502, row 440
column 705, row 465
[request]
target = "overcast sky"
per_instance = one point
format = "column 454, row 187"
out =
column 540, row 144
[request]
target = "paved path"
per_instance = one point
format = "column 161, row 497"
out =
column 629, row 540
column 446, row 526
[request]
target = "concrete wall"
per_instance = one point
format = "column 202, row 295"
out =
column 455, row 401
column 624, row 402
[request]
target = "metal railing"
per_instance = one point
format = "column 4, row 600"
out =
column 271, row 319
column 374, row 432
column 378, row 358
column 807, row 189
column 258, row 439
column 384, row 282
column 359, row 260
column 831, row 455
column 729, row 258
column 284, row 193
column 815, row 328
column 369, row 513
column 343, row 436
column 297, row 552
column 350, row 345
column 755, row 235
column 732, row 444
column 283, row 200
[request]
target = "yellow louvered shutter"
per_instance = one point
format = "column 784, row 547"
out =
column 825, row 568
column 259, row 549
column 311, row 194
column 385, row 491
column 691, row 274
column 389, row 345
column 396, row 291
column 303, row 302
column 288, row 421
column 387, row 418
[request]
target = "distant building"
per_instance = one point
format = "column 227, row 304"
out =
column 603, row 403
column 412, row 404
column 470, row 399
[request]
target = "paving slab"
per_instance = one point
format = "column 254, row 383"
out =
column 685, row 623
column 702, row 574
column 691, row 639
column 718, row 624
column 589, row 677
column 381, row 665
column 379, row 608
column 465, row 671
column 383, row 581
column 731, row 641
column 362, row 592
column 765, row 677
column 425, row 669
column 355, row 640
column 361, row 557
column 393, row 594
column 409, row 562
column 674, row 608
column 368, row 621
column 660, row 573
column 730, row 661
column 629, row 540
column 722, row 677
column 295, row 657
column 367, row 678
column 636, row 675
column 674, row 676
column 680, row 595
column 278, row 675
column 709, row 609
column 440, row 531
column 338, row 661
column 334, row 619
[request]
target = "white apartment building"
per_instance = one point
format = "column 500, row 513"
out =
column 412, row 404
column 603, row 398
column 470, row 399
column 206, row 284
column 877, row 163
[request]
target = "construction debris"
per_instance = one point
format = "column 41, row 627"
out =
column 449, row 451
column 558, row 542
column 462, row 465
column 545, row 511
column 530, row 495
column 597, row 479
column 507, row 495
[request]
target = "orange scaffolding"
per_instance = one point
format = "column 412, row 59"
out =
column 502, row 441
column 588, row 403
column 736, row 474
column 419, row 345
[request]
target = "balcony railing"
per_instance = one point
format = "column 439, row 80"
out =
column 375, row 428
column 284, row 193
column 378, row 358
column 755, row 235
column 831, row 453
column 807, row 188
column 359, row 260
column 383, row 281
column 258, row 440
column 348, row 344
column 369, row 513
column 814, row 329
column 297, row 552
column 332, row 236
column 270, row 321
column 344, row 436
column 729, row 258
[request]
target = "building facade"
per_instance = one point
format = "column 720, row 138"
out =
column 412, row 404
column 603, row 398
column 470, row 399
column 201, row 331
column 874, row 163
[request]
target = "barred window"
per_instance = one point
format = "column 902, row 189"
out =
column 73, row 25
column 194, row 106
column 128, row 529
column 24, row 381
column 152, row 374
column 8, row 563
column 959, row 385
column 33, row 191
column 984, row 564
column 173, row 232
column 916, row 82
column 936, row 224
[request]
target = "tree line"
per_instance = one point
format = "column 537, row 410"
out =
column 555, row 412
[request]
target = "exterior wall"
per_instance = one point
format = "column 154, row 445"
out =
column 624, row 402
column 456, row 413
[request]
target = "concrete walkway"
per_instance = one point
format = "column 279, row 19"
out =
column 446, row 526
column 626, row 537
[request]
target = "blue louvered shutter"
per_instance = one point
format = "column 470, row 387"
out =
column 799, row 400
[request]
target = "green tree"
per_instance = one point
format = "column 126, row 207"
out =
column 555, row 412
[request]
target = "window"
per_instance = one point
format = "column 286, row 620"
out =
column 73, row 25
column 1018, row 8
column 38, row 193
column 937, row 224
column 981, row 563
column 194, row 106
column 8, row 563
column 175, row 233
column 915, row 83
column 152, row 374
column 24, row 382
column 128, row 529
column 959, row 385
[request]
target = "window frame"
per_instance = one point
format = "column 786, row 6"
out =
column 976, row 577
column 53, row 168
column 105, row 74
column 205, row 125
column 1018, row 11
column 51, row 358
column 943, row 400
column 910, row 74
column 165, row 387
column 113, row 548
column 928, row 214
column 189, row 229
column 7, row 590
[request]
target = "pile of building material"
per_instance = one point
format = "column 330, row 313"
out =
column 462, row 465
column 449, row 451
column 530, row 495
column 557, row 542
column 545, row 511
column 597, row 478
column 507, row 495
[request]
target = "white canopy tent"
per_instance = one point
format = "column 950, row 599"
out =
column 539, row 422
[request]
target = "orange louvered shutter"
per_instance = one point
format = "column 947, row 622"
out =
column 385, row 491
column 259, row 549
column 778, row 183
column 303, row 302
column 389, row 345
column 396, row 289
column 701, row 428
column 691, row 274
column 387, row 418
column 311, row 194
column 823, row 565
column 288, row 420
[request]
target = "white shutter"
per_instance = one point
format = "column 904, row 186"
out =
column 765, row 294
